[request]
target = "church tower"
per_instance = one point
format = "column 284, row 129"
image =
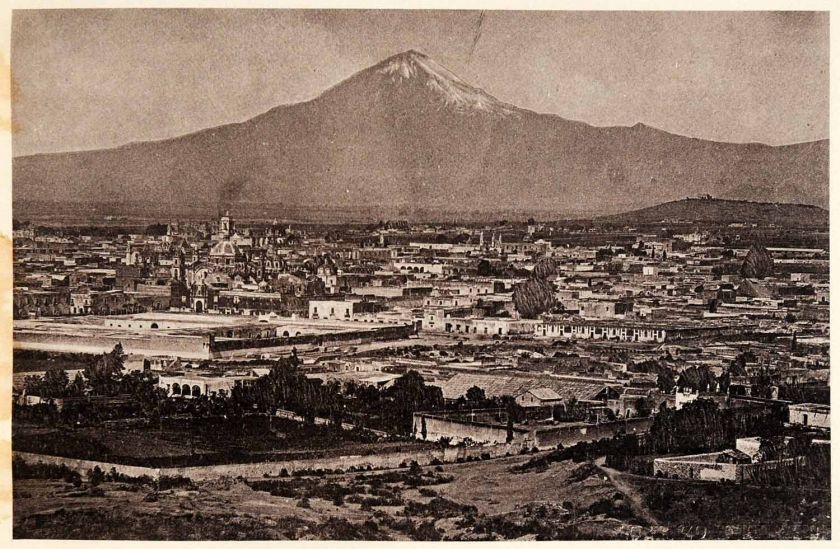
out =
column 226, row 225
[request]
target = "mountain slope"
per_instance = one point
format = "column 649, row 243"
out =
column 711, row 211
column 408, row 133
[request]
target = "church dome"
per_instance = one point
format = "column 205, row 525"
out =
column 225, row 248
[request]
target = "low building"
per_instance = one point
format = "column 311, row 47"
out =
column 539, row 397
column 634, row 331
column 731, row 465
column 194, row 385
column 340, row 309
column 810, row 415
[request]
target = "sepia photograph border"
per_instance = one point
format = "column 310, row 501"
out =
column 8, row 128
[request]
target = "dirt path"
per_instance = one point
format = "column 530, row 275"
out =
column 632, row 495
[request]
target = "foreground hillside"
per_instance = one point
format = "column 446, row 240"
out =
column 484, row 500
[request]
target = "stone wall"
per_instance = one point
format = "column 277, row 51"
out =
column 390, row 460
column 456, row 429
column 184, row 346
column 568, row 435
column 237, row 347
column 696, row 467
column 82, row 466
column 704, row 467
column 748, row 472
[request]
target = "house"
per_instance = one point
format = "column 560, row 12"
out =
column 339, row 309
column 810, row 415
column 539, row 397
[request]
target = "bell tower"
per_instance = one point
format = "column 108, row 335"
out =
column 226, row 225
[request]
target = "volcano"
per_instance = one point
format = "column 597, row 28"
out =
column 407, row 133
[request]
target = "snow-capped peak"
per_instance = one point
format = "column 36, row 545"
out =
column 417, row 67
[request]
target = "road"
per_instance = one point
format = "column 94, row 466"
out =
column 632, row 495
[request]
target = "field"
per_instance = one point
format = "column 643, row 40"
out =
column 482, row 500
column 186, row 442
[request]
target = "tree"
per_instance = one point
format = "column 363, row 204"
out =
column 643, row 407
column 758, row 263
column 410, row 394
column 545, row 268
column 534, row 297
column 55, row 383
column 423, row 431
column 700, row 379
column 156, row 229
column 665, row 382
column 103, row 376
column 771, row 448
column 33, row 385
column 476, row 394
column 77, row 387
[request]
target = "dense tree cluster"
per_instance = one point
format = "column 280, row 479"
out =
column 286, row 387
column 701, row 426
column 534, row 297
column 758, row 263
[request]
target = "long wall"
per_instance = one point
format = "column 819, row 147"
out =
column 704, row 467
column 568, row 435
column 258, row 470
column 184, row 346
column 82, row 466
column 199, row 346
column 457, row 430
column 234, row 347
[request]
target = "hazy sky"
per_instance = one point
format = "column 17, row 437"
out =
column 88, row 79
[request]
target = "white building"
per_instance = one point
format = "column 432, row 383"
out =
column 810, row 415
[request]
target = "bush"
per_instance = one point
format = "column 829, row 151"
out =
column 304, row 503
column 439, row 508
column 22, row 470
column 95, row 476
column 168, row 483
column 612, row 507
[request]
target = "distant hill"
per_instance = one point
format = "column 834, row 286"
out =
column 716, row 211
column 407, row 134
